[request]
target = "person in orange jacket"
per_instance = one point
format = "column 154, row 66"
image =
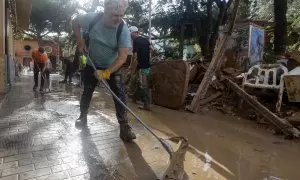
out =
column 39, row 59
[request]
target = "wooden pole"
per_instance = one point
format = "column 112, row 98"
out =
column 216, row 63
column 276, row 121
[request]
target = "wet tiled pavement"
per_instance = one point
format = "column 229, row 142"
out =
column 38, row 139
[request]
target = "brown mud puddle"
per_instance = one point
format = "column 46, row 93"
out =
column 224, row 147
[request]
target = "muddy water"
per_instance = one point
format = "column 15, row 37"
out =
column 224, row 147
column 221, row 147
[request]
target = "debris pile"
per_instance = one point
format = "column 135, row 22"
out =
column 176, row 82
column 225, row 87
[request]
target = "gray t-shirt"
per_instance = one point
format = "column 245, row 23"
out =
column 103, row 47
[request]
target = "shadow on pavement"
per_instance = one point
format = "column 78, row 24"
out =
column 93, row 159
column 141, row 167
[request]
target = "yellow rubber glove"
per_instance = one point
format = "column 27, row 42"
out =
column 104, row 74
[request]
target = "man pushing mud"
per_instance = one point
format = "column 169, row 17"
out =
column 107, row 42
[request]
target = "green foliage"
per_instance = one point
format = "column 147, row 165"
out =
column 169, row 17
column 293, row 14
column 262, row 9
column 54, row 17
column 172, row 50
column 195, row 21
column 40, row 18
column 50, row 16
column 137, row 12
column 244, row 10
column 62, row 22
column 91, row 6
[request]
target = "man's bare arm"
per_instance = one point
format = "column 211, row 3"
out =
column 133, row 62
column 79, row 40
column 123, row 53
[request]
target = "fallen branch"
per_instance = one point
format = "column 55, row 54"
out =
column 278, row 122
column 210, row 98
column 295, row 122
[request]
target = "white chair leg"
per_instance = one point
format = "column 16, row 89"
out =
column 279, row 102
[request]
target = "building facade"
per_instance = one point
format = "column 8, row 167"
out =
column 14, row 15
column 23, row 50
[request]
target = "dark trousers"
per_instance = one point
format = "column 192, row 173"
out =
column 47, row 77
column 81, row 77
column 115, row 83
column 38, row 67
column 68, row 74
column 47, row 74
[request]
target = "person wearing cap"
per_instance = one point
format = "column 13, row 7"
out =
column 140, row 65
column 40, row 58
column 108, row 46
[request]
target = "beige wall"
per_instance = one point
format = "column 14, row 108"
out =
column 10, row 40
column 23, row 13
column 2, row 48
column 20, row 52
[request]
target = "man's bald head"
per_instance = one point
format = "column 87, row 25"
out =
column 115, row 5
column 114, row 11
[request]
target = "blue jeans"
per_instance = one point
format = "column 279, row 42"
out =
column 115, row 83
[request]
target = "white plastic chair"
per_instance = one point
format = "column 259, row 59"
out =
column 268, row 76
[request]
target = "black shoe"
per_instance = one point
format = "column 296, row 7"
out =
column 126, row 133
column 134, row 100
column 69, row 83
column 64, row 81
column 145, row 107
column 81, row 121
column 34, row 88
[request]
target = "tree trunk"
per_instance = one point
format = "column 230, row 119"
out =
column 57, row 39
column 220, row 21
column 188, row 5
column 209, row 26
column 280, row 33
column 38, row 35
column 203, row 45
column 181, row 42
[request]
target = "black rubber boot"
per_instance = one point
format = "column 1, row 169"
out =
column 81, row 121
column 126, row 133
column 146, row 107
